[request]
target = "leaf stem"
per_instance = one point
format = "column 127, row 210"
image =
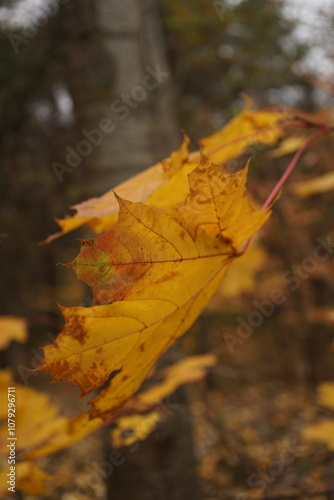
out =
column 290, row 168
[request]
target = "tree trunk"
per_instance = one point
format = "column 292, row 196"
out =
column 163, row 467
column 145, row 128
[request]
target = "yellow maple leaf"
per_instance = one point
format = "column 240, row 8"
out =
column 245, row 129
column 288, row 146
column 320, row 184
column 322, row 431
column 134, row 428
column 326, row 394
column 12, row 329
column 165, row 184
column 152, row 275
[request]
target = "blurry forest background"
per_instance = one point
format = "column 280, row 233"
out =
column 62, row 66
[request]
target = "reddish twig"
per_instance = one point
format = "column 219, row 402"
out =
column 290, row 168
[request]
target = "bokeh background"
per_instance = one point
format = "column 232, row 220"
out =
column 66, row 66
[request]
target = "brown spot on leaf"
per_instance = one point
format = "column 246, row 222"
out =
column 63, row 370
column 75, row 328
column 142, row 347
